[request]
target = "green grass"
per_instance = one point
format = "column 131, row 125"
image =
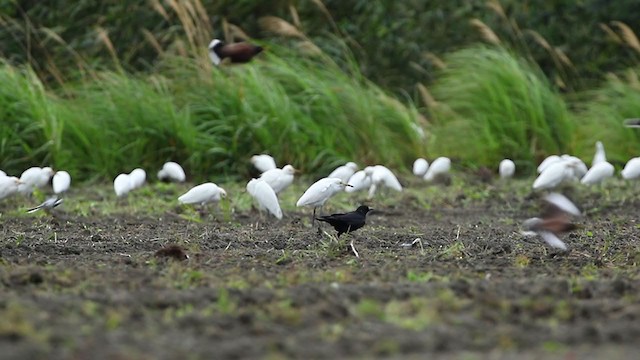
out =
column 494, row 105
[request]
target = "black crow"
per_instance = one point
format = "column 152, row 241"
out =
column 344, row 223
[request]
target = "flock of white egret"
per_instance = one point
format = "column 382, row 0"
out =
column 553, row 171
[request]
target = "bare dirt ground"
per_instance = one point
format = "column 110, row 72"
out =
column 85, row 284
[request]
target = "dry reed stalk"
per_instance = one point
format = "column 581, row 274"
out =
column 627, row 35
column 485, row 31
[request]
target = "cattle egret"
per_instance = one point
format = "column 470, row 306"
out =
column 61, row 182
column 438, row 167
column 47, row 205
column 600, row 155
column 553, row 175
column 2, row 173
column 241, row 52
column 631, row 169
column 381, row 175
column 344, row 172
column 202, row 194
column 507, row 168
column 122, row 185
column 319, row 192
column 359, row 181
column 171, row 171
column 8, row 186
column 263, row 162
column 264, row 196
column 598, row 173
column 279, row 179
column 547, row 162
column 420, row 167
column 137, row 178
column 554, row 221
column 34, row 177
column 578, row 167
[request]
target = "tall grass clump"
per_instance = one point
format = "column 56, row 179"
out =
column 491, row 104
column 30, row 128
column 601, row 117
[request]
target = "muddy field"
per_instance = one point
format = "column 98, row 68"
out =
column 85, row 282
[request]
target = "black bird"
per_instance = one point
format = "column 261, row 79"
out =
column 344, row 223
column 241, row 52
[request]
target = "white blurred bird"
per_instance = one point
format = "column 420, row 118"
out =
column 553, row 175
column 344, row 172
column 598, row 173
column 507, row 168
column 2, row 173
column 420, row 167
column 48, row 204
column 547, row 162
column 279, row 179
column 263, row 162
column 319, row 192
column 631, row 169
column 171, row 171
column 34, row 177
column 8, row 186
column 61, row 182
column 122, row 185
column 576, row 165
column 381, row 176
column 202, row 194
column 358, row 181
column 600, row 155
column 554, row 220
column 264, row 196
column 137, row 177
column 438, row 167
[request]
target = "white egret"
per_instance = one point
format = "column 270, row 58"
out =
column 8, row 186
column 202, row 194
column 345, row 171
column 137, row 177
column 2, row 173
column 61, row 182
column 547, row 162
column 553, row 175
column 598, row 173
column 319, row 192
column 438, row 167
column 34, row 177
column 381, row 175
column 577, row 166
column 507, row 168
column 47, row 205
column 279, row 179
column 263, row 162
column 600, row 155
column 358, row 181
column 265, row 196
column 172, row 171
column 631, row 169
column 122, row 185
column 420, row 167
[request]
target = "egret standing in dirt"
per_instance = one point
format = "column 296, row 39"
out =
column 381, row 175
column 631, row 169
column 506, row 169
column 265, row 197
column 34, row 177
column 344, row 172
column 172, row 171
column 598, row 173
column 137, row 177
column 122, row 185
column 279, row 179
column 61, row 182
column 8, row 186
column 358, row 181
column 439, row 167
column 203, row 194
column 420, row 167
column 319, row 192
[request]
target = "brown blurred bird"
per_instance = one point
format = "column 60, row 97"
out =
column 241, row 52
column 554, row 221
column 175, row 252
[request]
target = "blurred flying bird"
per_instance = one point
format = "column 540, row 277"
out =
column 279, row 179
column 241, row 52
column 264, row 196
column 202, row 194
column 48, row 204
column 553, row 221
column 344, row 172
column 506, row 169
column 171, row 171
column 420, row 167
column 61, row 182
column 263, row 162
column 632, row 123
column 348, row 222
